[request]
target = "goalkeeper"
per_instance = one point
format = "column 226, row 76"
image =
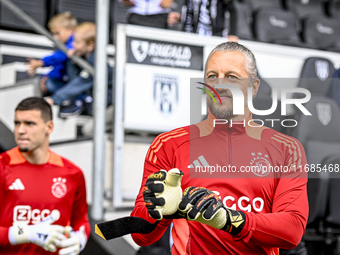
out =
column 229, row 213
column 43, row 196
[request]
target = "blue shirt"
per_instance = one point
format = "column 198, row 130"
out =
column 57, row 60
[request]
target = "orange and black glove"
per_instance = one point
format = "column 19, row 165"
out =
column 206, row 207
column 162, row 193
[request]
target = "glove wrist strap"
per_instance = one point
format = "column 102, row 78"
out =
column 18, row 234
column 235, row 222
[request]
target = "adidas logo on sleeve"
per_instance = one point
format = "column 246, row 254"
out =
column 200, row 162
column 17, row 185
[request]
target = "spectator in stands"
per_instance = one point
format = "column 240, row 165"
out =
column 151, row 13
column 206, row 17
column 62, row 27
column 77, row 93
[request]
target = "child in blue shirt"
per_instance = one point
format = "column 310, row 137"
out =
column 73, row 96
column 62, row 27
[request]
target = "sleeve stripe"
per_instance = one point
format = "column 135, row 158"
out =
column 281, row 141
column 160, row 140
column 156, row 142
column 290, row 151
column 151, row 155
column 297, row 145
column 166, row 139
column 147, row 154
column 293, row 143
column 155, row 159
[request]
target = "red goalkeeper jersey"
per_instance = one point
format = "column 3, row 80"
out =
column 220, row 158
column 29, row 193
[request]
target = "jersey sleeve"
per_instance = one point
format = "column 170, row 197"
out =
column 3, row 230
column 285, row 225
column 79, row 211
column 58, row 57
column 155, row 160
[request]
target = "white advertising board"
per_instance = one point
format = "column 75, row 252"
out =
column 157, row 98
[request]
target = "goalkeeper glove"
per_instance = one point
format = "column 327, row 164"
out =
column 162, row 193
column 42, row 234
column 75, row 243
column 206, row 207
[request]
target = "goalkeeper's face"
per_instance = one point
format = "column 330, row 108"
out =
column 31, row 132
column 226, row 68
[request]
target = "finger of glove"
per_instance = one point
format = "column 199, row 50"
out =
column 55, row 239
column 191, row 196
column 50, row 248
column 53, row 217
column 212, row 209
column 152, row 187
column 158, row 176
column 202, row 204
column 156, row 214
column 72, row 250
column 152, row 202
column 73, row 240
column 68, row 230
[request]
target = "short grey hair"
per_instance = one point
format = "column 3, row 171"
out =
column 234, row 46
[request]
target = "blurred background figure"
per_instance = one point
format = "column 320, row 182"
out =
column 75, row 96
column 151, row 13
column 62, row 27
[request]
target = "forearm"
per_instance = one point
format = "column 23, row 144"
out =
column 56, row 58
column 283, row 229
column 156, row 234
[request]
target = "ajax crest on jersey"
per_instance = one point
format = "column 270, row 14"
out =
column 139, row 49
column 324, row 113
column 322, row 69
column 260, row 164
column 166, row 93
column 59, row 187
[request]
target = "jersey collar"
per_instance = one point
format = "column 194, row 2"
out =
column 17, row 158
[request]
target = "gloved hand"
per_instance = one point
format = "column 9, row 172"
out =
column 75, row 243
column 162, row 193
column 206, row 207
column 42, row 234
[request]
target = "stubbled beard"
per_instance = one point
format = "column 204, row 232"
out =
column 220, row 112
column 23, row 149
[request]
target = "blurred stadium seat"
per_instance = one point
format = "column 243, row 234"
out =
column 305, row 8
column 263, row 101
column 322, row 33
column 276, row 26
column 264, row 90
column 119, row 13
column 256, row 5
column 316, row 75
column 319, row 134
column 334, row 9
column 332, row 219
column 82, row 10
column 240, row 20
column 37, row 9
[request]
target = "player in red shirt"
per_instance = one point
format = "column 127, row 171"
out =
column 43, row 196
column 229, row 212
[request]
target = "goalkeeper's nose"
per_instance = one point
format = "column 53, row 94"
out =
column 174, row 177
